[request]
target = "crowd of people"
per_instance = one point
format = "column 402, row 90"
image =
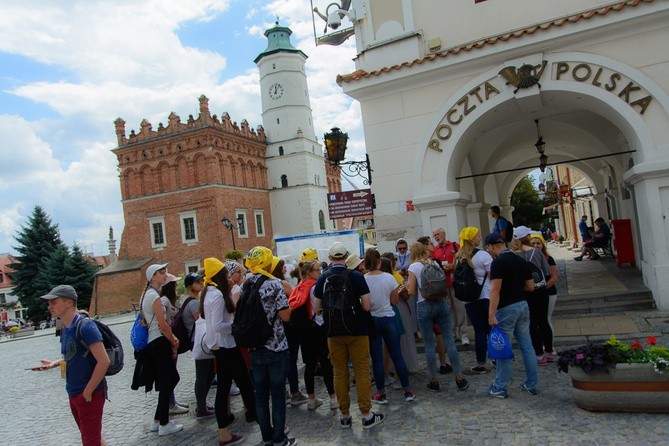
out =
column 354, row 320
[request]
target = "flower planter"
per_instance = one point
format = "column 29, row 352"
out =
column 627, row 388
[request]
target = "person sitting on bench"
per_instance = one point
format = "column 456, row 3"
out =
column 600, row 239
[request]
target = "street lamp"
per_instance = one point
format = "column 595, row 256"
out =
column 229, row 226
column 335, row 151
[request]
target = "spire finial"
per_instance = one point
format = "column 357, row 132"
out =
column 277, row 20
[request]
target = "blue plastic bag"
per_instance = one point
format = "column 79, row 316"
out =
column 499, row 346
column 139, row 334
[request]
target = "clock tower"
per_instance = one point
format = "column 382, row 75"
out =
column 296, row 175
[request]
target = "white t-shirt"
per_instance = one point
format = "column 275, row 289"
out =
column 417, row 268
column 380, row 287
column 149, row 298
column 482, row 261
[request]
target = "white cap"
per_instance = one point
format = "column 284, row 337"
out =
column 151, row 270
column 338, row 251
column 521, row 231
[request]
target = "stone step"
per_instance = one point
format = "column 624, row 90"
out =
column 611, row 303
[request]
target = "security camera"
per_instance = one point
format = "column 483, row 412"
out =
column 334, row 21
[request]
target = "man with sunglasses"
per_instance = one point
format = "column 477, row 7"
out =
column 510, row 275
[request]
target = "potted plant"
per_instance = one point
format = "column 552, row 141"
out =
column 613, row 376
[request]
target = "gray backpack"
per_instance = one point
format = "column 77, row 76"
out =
column 433, row 282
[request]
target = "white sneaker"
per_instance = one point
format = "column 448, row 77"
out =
column 314, row 404
column 464, row 339
column 178, row 409
column 334, row 404
column 234, row 390
column 170, row 428
column 153, row 426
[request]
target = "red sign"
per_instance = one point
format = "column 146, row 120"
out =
column 354, row 203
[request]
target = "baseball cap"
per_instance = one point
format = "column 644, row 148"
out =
column 493, row 239
column 521, row 232
column 172, row 278
column 151, row 270
column 61, row 291
column 191, row 278
column 337, row 251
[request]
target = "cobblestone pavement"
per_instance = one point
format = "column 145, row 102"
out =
column 35, row 410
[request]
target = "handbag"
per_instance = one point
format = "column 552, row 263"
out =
column 499, row 346
column 200, row 349
column 139, row 333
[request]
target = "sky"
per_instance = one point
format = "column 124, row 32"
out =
column 69, row 69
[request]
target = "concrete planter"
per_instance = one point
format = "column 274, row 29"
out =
column 627, row 388
column 22, row 332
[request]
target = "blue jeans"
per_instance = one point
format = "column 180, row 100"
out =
column 514, row 320
column 269, row 377
column 387, row 331
column 431, row 313
column 478, row 315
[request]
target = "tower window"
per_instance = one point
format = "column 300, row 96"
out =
column 284, row 180
column 273, row 66
column 277, row 120
column 321, row 220
column 280, row 150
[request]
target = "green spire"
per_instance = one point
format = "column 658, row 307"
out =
column 278, row 39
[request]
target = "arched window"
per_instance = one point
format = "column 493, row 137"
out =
column 280, row 150
column 284, row 180
column 321, row 220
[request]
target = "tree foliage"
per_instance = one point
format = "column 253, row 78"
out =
column 528, row 209
column 36, row 241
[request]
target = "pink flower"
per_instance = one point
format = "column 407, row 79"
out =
column 580, row 356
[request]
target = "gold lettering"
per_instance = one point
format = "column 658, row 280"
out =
column 444, row 127
column 434, row 145
column 562, row 68
column 489, row 89
column 450, row 112
column 475, row 92
column 595, row 80
column 578, row 67
column 627, row 90
column 642, row 103
column 468, row 109
column 613, row 85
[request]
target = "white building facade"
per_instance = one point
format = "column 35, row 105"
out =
column 453, row 90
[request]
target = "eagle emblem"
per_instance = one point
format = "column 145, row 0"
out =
column 523, row 77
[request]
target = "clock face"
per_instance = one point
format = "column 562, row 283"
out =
column 275, row 91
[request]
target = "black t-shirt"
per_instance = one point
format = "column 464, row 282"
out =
column 360, row 288
column 514, row 271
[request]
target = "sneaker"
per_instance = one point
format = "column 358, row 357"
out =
column 445, row 368
column 234, row 439
column 496, row 393
column 464, row 340
column 463, row 384
column 375, row 419
column 578, row 258
column 529, row 390
column 290, row 442
column 433, row 386
column 178, row 409
column 550, row 357
column 314, row 404
column 409, row 395
column 202, row 414
column 334, row 404
column 170, row 428
column 297, row 400
column 541, row 360
column 345, row 422
column 379, row 398
column 234, row 390
column 478, row 369
column 153, row 426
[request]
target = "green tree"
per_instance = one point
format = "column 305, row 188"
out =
column 528, row 209
column 36, row 241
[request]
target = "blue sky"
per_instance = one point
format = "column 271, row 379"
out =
column 69, row 69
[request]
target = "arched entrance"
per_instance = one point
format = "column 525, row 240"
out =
column 593, row 111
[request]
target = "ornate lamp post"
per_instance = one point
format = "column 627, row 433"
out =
column 335, row 151
column 229, row 226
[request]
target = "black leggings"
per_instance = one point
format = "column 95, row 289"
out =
column 204, row 374
column 317, row 351
column 230, row 365
column 167, row 376
column 540, row 330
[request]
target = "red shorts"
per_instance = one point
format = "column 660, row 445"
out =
column 88, row 417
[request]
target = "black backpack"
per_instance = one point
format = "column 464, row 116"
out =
column 180, row 331
column 251, row 329
column 340, row 306
column 465, row 286
column 508, row 235
column 112, row 344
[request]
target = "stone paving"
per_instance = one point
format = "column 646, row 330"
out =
column 35, row 410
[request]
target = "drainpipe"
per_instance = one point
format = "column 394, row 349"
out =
column 573, row 217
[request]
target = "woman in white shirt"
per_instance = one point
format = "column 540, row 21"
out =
column 383, row 291
column 477, row 311
column 218, row 311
